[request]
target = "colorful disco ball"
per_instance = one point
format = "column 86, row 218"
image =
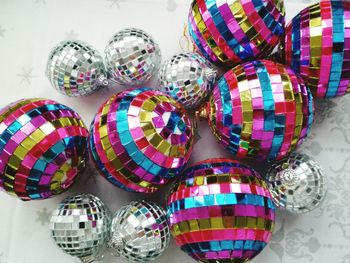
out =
column 261, row 110
column 43, row 147
column 317, row 46
column 233, row 31
column 140, row 138
column 221, row 211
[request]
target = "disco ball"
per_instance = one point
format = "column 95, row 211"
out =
column 132, row 57
column 297, row 183
column 80, row 226
column 188, row 78
column 140, row 232
column 76, row 69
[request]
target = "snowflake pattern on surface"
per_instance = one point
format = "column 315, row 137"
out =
column 43, row 216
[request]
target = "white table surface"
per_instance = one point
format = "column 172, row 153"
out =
column 28, row 31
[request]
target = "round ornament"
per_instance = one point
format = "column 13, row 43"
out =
column 43, row 147
column 233, row 31
column 297, row 183
column 140, row 138
column 80, row 227
column 221, row 211
column 132, row 57
column 316, row 47
column 76, row 69
column 140, row 232
column 188, row 78
column 260, row 110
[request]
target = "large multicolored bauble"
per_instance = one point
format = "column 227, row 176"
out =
column 80, row 226
column 221, row 211
column 233, row 31
column 188, row 78
column 43, row 147
column 76, row 69
column 317, row 47
column 297, row 184
column 132, row 56
column 140, row 232
column 261, row 110
column 141, row 138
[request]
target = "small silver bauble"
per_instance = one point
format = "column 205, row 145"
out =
column 80, row 226
column 132, row 57
column 76, row 69
column 139, row 232
column 297, row 183
column 188, row 78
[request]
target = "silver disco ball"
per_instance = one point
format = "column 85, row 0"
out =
column 139, row 232
column 76, row 69
column 132, row 57
column 297, row 183
column 80, row 226
column 188, row 78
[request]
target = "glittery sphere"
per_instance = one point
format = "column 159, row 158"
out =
column 232, row 31
column 221, row 211
column 297, row 183
column 140, row 232
column 317, row 46
column 42, row 148
column 132, row 57
column 80, row 226
column 261, row 110
column 141, row 138
column 188, row 78
column 76, row 69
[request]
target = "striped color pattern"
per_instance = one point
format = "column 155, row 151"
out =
column 140, row 138
column 43, row 147
column 232, row 31
column 261, row 110
column 317, row 46
column 221, row 211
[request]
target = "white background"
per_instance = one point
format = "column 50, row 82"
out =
column 28, row 31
